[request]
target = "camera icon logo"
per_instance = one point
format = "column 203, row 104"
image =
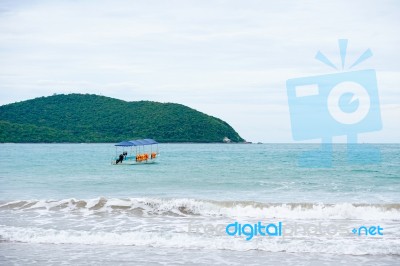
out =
column 343, row 103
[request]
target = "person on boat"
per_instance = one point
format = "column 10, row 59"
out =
column 120, row 158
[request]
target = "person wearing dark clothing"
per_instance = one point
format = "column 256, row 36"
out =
column 120, row 159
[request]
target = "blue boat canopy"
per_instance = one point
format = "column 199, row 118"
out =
column 137, row 142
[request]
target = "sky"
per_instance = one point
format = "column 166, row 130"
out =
column 229, row 59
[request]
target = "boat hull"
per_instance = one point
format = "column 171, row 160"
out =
column 133, row 161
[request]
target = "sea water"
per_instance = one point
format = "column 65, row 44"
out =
column 67, row 203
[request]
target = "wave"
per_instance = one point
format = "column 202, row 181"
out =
column 167, row 239
column 195, row 207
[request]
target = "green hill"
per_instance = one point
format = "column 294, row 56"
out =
column 93, row 118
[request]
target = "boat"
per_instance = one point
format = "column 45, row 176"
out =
column 139, row 151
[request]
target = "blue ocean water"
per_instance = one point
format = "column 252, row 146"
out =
column 71, row 195
column 266, row 173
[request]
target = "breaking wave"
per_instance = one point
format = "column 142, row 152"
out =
column 194, row 207
column 192, row 241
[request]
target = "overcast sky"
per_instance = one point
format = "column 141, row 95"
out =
column 229, row 59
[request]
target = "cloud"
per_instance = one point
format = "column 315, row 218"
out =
column 230, row 59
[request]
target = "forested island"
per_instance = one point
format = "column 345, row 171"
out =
column 88, row 118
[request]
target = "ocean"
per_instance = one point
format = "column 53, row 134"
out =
column 67, row 204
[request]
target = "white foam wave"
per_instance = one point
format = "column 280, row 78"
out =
column 230, row 209
column 351, row 246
